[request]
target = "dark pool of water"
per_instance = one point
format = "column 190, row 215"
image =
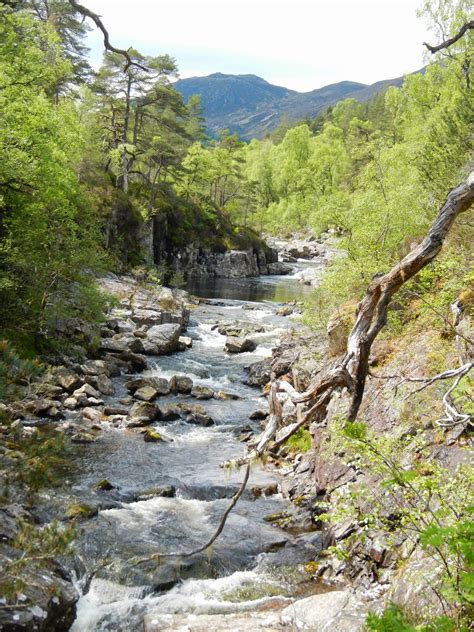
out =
column 278, row 289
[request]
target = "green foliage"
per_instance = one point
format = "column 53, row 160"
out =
column 49, row 236
column 394, row 620
column 39, row 458
column 300, row 441
column 35, row 546
column 15, row 371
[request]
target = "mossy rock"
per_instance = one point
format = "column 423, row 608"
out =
column 104, row 485
column 80, row 511
column 276, row 518
column 151, row 436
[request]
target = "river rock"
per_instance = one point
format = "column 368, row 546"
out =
column 161, row 339
column 235, row 622
column 200, row 419
column 43, row 407
column 102, row 383
column 142, row 414
column 115, row 410
column 259, row 415
column 71, row 403
column 239, row 331
column 122, row 342
column 337, row 611
column 49, row 597
column 235, row 344
column 279, row 268
column 170, row 412
column 181, row 384
column 68, row 380
column 159, row 384
column 44, row 389
column 87, row 390
column 95, row 367
column 83, row 437
column 259, row 373
column 202, row 392
column 185, row 342
column 131, row 361
column 146, row 393
column 225, row 396
column 165, row 491
column 91, row 414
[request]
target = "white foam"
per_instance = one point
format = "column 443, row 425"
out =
column 196, row 596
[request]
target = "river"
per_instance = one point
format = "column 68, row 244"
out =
column 247, row 568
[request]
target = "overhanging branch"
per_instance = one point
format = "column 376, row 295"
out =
column 87, row 13
column 452, row 40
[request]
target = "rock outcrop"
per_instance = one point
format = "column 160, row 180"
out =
column 201, row 262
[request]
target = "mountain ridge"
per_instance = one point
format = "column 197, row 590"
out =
column 252, row 107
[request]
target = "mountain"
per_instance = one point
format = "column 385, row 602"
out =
column 251, row 107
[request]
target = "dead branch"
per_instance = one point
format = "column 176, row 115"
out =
column 461, row 372
column 453, row 417
column 452, row 40
column 87, row 13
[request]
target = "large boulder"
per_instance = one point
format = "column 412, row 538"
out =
column 48, row 596
column 68, row 380
column 122, row 342
column 143, row 414
column 181, row 384
column 337, row 611
column 102, row 383
column 235, row 344
column 146, row 393
column 161, row 339
column 279, row 268
column 202, row 392
column 159, row 384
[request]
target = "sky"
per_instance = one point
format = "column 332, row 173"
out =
column 302, row 45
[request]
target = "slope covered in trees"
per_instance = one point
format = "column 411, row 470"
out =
column 89, row 160
column 376, row 173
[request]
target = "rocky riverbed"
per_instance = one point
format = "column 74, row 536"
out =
column 174, row 390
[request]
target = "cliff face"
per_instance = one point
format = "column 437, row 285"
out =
column 194, row 261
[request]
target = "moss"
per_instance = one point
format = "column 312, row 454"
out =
column 279, row 518
column 104, row 485
column 80, row 510
column 151, row 436
column 311, row 567
column 300, row 441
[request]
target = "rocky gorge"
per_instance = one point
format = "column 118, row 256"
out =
column 176, row 386
column 170, row 376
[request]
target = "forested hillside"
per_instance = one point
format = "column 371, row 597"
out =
column 375, row 172
column 90, row 159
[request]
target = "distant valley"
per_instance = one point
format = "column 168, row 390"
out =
column 251, row 107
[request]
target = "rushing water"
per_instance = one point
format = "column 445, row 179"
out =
column 242, row 570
